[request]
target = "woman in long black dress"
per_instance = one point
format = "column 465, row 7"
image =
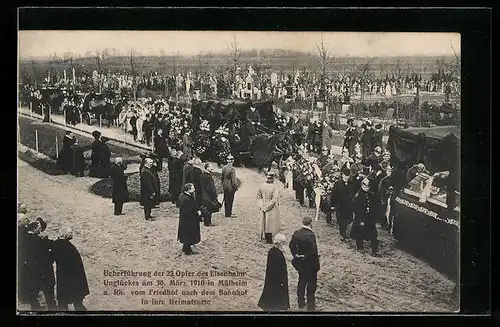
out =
column 275, row 293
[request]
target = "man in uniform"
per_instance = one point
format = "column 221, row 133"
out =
column 268, row 199
column 229, row 185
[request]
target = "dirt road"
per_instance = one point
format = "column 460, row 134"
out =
column 347, row 281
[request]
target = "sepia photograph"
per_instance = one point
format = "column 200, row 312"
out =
column 236, row 171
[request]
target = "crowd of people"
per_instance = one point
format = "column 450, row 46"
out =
column 37, row 254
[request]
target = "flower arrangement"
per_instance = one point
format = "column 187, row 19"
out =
column 327, row 183
column 305, row 172
column 202, row 140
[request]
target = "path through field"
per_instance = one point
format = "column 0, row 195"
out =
column 348, row 281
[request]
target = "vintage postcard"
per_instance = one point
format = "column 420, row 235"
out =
column 238, row 171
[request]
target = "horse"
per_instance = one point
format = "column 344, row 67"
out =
column 97, row 106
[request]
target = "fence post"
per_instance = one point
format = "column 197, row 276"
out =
column 50, row 115
column 36, row 140
column 81, row 117
column 43, row 111
column 64, row 117
column 100, row 121
column 31, row 109
column 57, row 148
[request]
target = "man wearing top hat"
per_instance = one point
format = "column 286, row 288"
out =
column 367, row 139
column 351, row 136
column 229, row 185
column 253, row 119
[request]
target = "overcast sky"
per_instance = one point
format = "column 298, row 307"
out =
column 39, row 44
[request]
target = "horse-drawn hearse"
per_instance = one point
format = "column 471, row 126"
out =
column 255, row 142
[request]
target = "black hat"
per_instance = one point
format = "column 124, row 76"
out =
column 96, row 134
column 42, row 222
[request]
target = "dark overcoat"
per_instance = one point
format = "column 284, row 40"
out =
column 177, row 165
column 37, row 271
column 120, row 190
column 189, row 220
column 95, row 158
column 104, row 162
column 342, row 200
column 71, row 278
column 364, row 211
column 303, row 243
column 148, row 187
column 208, row 191
column 78, row 160
column 275, row 293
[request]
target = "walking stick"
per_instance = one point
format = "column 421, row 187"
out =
column 57, row 148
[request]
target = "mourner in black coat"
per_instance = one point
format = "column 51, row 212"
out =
column 78, row 160
column 22, row 236
column 65, row 159
column 275, row 295
column 72, row 286
column 148, row 189
column 306, row 261
column 209, row 201
column 351, row 137
column 120, row 191
column 177, row 166
column 366, row 140
column 147, row 129
column 160, row 148
column 105, row 159
column 189, row 219
column 377, row 136
column 96, row 154
column 364, row 227
column 341, row 202
column 38, row 274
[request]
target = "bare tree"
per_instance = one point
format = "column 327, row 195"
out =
column 362, row 73
column 326, row 60
column 396, row 72
column 100, row 60
column 133, row 71
column 34, row 73
column 235, row 53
